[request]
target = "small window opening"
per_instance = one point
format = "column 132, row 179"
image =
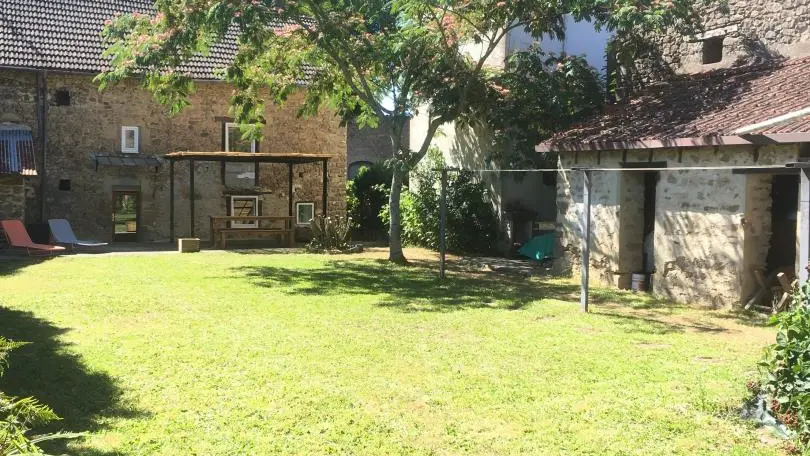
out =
column 713, row 50
column 61, row 97
column 64, row 185
column 305, row 212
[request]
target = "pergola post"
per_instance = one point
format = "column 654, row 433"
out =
column 191, row 194
column 804, row 224
column 325, row 186
column 290, row 188
column 586, row 240
column 171, row 201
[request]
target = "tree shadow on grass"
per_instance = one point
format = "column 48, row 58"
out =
column 47, row 370
column 417, row 289
column 11, row 264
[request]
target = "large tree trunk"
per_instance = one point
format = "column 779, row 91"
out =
column 395, row 253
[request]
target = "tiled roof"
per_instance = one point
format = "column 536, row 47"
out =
column 65, row 35
column 710, row 104
column 16, row 150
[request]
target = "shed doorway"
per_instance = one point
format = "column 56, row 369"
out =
column 126, row 216
column 784, row 211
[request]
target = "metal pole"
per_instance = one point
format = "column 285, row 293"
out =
column 191, row 194
column 804, row 225
column 171, row 200
column 442, row 224
column 586, row 239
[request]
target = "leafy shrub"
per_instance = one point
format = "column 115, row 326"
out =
column 471, row 220
column 330, row 234
column 19, row 416
column 785, row 367
column 366, row 195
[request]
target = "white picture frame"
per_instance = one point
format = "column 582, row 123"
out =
column 234, row 200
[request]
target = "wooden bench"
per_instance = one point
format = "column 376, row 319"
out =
column 287, row 234
column 219, row 236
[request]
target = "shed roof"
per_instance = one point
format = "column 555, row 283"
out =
column 65, row 35
column 702, row 109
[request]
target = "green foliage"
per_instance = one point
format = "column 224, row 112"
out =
column 330, row 234
column 542, row 94
column 364, row 59
column 471, row 220
column 786, row 365
column 366, row 195
column 18, row 416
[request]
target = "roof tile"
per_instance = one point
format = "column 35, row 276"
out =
column 714, row 103
column 66, row 35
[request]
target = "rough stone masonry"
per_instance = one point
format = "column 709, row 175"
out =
column 91, row 122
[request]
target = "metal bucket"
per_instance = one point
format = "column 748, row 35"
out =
column 638, row 282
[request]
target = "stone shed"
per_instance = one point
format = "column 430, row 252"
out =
column 100, row 155
column 697, row 182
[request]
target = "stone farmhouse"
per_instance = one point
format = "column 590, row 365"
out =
column 97, row 158
column 721, row 145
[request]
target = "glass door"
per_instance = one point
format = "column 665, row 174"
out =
column 125, row 216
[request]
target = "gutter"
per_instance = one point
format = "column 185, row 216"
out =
column 771, row 122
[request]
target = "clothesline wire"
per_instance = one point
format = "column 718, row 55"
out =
column 574, row 169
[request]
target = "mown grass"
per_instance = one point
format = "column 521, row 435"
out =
column 226, row 354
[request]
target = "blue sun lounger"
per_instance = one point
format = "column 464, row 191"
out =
column 62, row 233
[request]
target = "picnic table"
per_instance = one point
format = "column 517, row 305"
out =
column 283, row 227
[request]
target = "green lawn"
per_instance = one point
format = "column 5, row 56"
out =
column 231, row 354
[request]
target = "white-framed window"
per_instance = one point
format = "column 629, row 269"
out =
column 234, row 141
column 130, row 140
column 304, row 213
column 245, row 206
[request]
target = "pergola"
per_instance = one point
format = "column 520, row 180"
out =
column 290, row 159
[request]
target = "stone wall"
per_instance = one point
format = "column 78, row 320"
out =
column 92, row 124
column 372, row 145
column 12, row 197
column 753, row 31
column 712, row 227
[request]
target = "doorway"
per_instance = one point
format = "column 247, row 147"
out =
column 784, row 211
column 126, row 216
column 650, row 184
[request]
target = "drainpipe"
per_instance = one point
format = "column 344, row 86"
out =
column 773, row 121
column 42, row 132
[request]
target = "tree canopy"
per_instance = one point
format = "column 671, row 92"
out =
column 365, row 59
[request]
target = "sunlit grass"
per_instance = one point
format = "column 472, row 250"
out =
column 225, row 354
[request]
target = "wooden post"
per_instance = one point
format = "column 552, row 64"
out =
column 442, row 225
column 586, row 240
column 804, row 225
column 171, row 201
column 290, row 190
column 191, row 194
column 325, row 186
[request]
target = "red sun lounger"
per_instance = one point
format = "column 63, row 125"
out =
column 17, row 236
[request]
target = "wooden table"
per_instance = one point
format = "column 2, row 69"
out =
column 219, row 233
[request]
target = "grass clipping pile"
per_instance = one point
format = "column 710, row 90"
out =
column 332, row 235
